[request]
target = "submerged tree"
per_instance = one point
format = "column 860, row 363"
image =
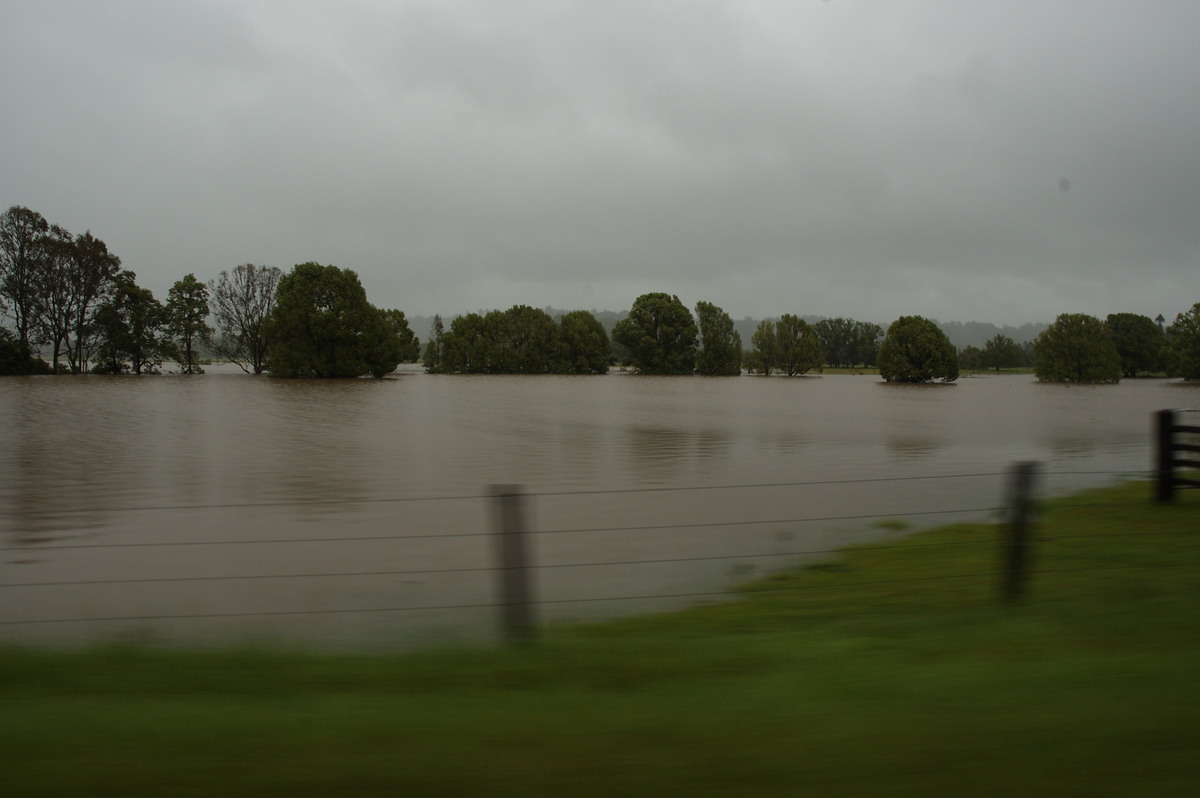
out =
column 1139, row 342
column 720, row 344
column 187, row 314
column 764, row 357
column 241, row 302
column 798, row 350
column 659, row 334
column 916, row 350
column 323, row 326
column 585, row 343
column 129, row 326
column 22, row 262
column 1076, row 348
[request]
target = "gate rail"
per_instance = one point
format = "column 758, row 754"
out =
column 1174, row 453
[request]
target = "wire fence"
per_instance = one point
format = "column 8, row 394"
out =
column 663, row 558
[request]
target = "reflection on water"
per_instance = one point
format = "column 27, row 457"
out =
column 380, row 478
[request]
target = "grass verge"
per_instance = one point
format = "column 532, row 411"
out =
column 891, row 670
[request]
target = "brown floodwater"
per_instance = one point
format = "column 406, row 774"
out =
column 228, row 509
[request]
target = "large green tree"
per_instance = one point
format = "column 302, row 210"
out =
column 129, row 325
column 720, row 352
column 241, row 301
column 323, row 326
column 1076, row 348
column 659, row 335
column 187, row 321
column 916, row 350
column 1139, row 342
column 22, row 262
column 1184, row 335
column 798, row 349
column 586, row 348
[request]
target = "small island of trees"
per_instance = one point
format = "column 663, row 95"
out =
column 69, row 307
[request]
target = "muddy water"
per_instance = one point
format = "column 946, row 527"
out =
column 226, row 508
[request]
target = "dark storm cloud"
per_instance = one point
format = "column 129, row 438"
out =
column 999, row 162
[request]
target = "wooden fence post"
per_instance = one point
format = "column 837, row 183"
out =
column 1016, row 544
column 1164, row 467
column 516, row 604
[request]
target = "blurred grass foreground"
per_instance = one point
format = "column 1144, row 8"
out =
column 892, row 670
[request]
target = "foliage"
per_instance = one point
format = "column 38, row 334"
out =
column 721, row 347
column 764, row 357
column 1139, row 342
column 186, row 316
column 846, row 342
column 407, row 341
column 585, row 343
column 1000, row 351
column 916, row 350
column 15, row 359
column 659, row 334
column 129, row 326
column 323, row 326
column 797, row 348
column 241, row 302
column 1184, row 336
column 1076, row 348
column 22, row 236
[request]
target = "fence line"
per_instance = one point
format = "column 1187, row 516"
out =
column 525, row 566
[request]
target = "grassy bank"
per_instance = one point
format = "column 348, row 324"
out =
column 888, row 671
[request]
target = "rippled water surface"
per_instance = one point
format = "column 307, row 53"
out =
column 226, row 508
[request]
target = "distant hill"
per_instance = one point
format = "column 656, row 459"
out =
column 961, row 334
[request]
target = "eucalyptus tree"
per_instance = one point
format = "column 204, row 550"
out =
column 720, row 344
column 92, row 271
column 241, row 301
column 22, row 259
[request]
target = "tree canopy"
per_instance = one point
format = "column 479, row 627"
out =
column 1184, row 335
column 1139, row 342
column 1076, row 348
column 585, row 343
column 916, row 350
column 720, row 352
column 323, row 326
column 659, row 334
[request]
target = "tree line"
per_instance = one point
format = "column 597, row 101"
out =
column 68, row 293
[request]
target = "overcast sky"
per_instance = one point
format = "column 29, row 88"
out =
column 988, row 161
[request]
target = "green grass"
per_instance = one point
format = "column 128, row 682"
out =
column 892, row 670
